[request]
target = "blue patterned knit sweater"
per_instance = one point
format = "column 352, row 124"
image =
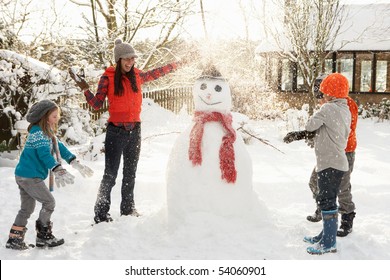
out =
column 36, row 158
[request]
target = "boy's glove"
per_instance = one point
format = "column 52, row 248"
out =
column 83, row 169
column 79, row 80
column 298, row 135
column 310, row 142
column 62, row 177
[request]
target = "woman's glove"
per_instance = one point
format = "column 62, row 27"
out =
column 83, row 169
column 62, row 177
column 79, row 80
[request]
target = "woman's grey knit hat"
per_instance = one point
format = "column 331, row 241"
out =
column 39, row 109
column 123, row 50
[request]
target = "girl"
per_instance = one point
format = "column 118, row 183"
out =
column 31, row 171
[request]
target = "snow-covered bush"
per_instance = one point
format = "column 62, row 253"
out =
column 256, row 102
column 296, row 119
column 75, row 125
column 24, row 81
column 380, row 111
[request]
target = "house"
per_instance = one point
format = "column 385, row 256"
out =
column 361, row 52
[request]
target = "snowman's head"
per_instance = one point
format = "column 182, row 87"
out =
column 212, row 93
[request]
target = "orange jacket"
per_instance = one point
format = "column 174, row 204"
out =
column 353, row 108
column 127, row 108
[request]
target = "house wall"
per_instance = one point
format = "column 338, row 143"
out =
column 296, row 100
column 368, row 73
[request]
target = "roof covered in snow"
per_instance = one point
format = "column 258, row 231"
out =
column 366, row 27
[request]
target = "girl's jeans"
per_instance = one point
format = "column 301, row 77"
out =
column 328, row 183
column 119, row 142
column 32, row 190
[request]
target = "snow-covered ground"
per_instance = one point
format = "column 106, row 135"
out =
column 279, row 179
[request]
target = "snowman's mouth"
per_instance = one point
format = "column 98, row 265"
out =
column 210, row 104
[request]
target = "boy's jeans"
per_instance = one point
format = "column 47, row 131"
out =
column 329, row 183
column 346, row 205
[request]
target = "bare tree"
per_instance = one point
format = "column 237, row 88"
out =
column 13, row 17
column 245, row 18
column 15, row 14
column 127, row 19
column 203, row 19
column 308, row 31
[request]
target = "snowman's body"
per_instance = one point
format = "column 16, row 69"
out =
column 201, row 188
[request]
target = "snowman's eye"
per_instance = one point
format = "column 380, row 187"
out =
column 203, row 86
column 218, row 88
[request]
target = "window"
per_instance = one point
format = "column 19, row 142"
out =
column 300, row 82
column 328, row 66
column 382, row 73
column 274, row 70
column 381, row 69
column 363, row 73
column 345, row 67
column 365, row 78
column 287, row 76
column 262, row 67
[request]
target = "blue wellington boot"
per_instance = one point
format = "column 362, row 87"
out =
column 314, row 239
column 327, row 244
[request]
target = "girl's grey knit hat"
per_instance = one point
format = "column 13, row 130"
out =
column 39, row 109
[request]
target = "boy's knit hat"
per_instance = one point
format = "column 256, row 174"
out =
column 123, row 50
column 335, row 85
column 39, row 109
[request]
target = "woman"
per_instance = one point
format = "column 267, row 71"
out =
column 121, row 84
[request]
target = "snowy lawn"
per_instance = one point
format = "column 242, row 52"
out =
column 279, row 179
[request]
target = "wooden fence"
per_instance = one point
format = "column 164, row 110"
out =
column 171, row 99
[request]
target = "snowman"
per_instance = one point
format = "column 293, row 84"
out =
column 209, row 169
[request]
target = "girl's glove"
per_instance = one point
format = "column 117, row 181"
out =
column 62, row 177
column 83, row 169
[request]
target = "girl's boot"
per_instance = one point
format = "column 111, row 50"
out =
column 45, row 238
column 16, row 238
column 327, row 244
